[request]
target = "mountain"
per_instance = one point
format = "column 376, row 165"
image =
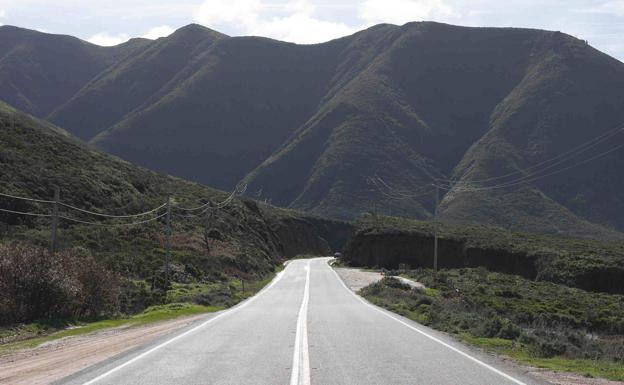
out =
column 473, row 103
column 40, row 71
column 133, row 82
column 227, row 112
column 480, row 111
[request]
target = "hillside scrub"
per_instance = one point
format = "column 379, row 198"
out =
column 535, row 321
column 36, row 284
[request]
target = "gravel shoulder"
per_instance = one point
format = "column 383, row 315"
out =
column 561, row 378
column 57, row 359
column 357, row 279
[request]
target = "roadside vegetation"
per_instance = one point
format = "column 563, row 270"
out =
column 542, row 324
column 49, row 296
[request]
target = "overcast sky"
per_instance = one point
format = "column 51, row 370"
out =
column 108, row 22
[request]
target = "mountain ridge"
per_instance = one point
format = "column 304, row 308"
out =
column 306, row 125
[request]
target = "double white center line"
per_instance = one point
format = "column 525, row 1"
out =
column 300, row 374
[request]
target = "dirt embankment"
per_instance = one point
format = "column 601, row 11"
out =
column 311, row 236
column 392, row 248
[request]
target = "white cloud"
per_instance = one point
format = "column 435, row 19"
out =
column 2, row 13
column 611, row 7
column 302, row 28
column 402, row 11
column 291, row 21
column 156, row 32
column 238, row 13
column 107, row 39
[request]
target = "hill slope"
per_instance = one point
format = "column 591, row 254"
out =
column 474, row 104
column 132, row 82
column 305, row 125
column 40, row 71
column 241, row 101
column 34, row 156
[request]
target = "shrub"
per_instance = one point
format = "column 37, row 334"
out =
column 35, row 284
column 220, row 296
column 395, row 283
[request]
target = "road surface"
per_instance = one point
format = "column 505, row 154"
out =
column 306, row 327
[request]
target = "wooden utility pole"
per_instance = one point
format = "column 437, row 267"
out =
column 168, row 242
column 435, row 229
column 55, row 219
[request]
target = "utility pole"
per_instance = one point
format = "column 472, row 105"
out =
column 55, row 219
column 168, row 242
column 435, row 229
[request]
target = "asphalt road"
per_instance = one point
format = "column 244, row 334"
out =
column 306, row 327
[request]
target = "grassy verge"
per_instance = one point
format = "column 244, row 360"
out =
column 536, row 323
column 182, row 302
column 522, row 354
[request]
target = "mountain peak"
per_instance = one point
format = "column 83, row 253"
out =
column 193, row 29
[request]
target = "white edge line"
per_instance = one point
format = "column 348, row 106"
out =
column 466, row 355
column 224, row 313
column 300, row 371
column 304, row 340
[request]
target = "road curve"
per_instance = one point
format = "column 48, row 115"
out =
column 306, row 327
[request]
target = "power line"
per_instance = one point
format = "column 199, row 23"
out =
column 25, row 199
column 113, row 216
column 111, row 224
column 561, row 158
column 238, row 190
column 24, row 213
column 397, row 194
column 220, row 205
column 82, row 210
column 528, row 178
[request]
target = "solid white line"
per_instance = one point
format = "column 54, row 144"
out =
column 300, row 372
column 224, row 313
column 466, row 355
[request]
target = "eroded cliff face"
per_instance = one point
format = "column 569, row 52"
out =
column 388, row 249
column 335, row 232
column 254, row 238
column 298, row 236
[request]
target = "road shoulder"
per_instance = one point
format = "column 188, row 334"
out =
column 60, row 358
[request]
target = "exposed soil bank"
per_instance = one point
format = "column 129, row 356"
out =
column 389, row 249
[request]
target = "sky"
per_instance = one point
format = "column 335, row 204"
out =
column 111, row 22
